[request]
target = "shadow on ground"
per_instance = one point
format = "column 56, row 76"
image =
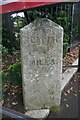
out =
column 70, row 100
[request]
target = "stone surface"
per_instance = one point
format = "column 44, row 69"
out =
column 67, row 75
column 39, row 114
column 41, row 52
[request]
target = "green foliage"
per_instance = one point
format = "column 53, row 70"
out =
column 17, row 53
column 18, row 23
column 4, row 76
column 65, row 45
column 3, row 49
column 61, row 17
column 5, row 32
column 54, row 108
column 34, row 14
column 15, row 75
column 11, row 32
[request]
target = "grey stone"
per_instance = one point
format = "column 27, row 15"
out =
column 67, row 75
column 41, row 52
column 39, row 114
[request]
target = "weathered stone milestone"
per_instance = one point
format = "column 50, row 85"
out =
column 41, row 52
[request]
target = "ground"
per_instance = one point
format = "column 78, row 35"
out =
column 12, row 98
column 69, row 101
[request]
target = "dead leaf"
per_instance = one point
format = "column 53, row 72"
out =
column 75, row 94
column 16, row 86
column 8, row 99
column 2, row 102
column 14, row 103
column 64, row 99
column 71, row 88
column 65, row 94
column 74, row 80
column 13, row 93
column 8, row 93
column 67, row 105
column 68, row 91
column 71, row 83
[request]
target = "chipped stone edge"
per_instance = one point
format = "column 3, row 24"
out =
column 67, row 75
column 38, row 114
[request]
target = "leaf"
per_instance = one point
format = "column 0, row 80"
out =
column 74, row 80
column 14, row 103
column 79, row 91
column 65, row 94
column 13, row 93
column 2, row 102
column 8, row 99
column 68, row 91
column 71, row 88
column 75, row 95
column 71, row 83
column 67, row 105
column 16, row 86
column 64, row 99
column 8, row 93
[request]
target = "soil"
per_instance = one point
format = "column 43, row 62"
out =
column 12, row 97
column 8, row 60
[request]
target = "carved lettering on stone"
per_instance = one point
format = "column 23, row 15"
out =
column 41, row 53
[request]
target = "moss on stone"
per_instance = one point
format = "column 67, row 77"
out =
column 55, row 108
